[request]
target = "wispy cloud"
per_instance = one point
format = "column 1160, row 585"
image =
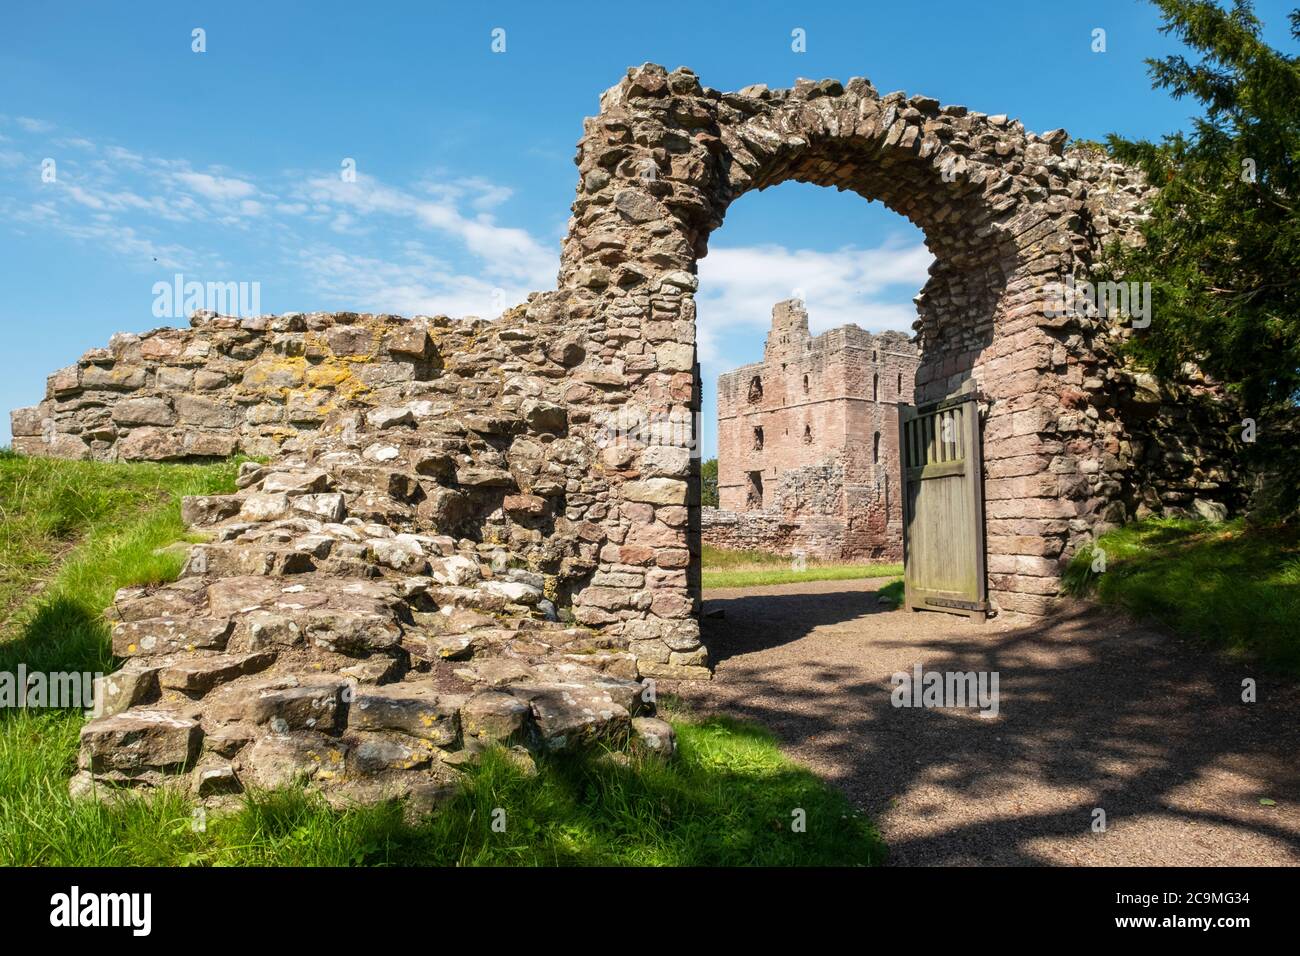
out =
column 218, row 188
column 506, row 253
column 33, row 125
column 739, row 285
column 433, row 246
column 413, row 282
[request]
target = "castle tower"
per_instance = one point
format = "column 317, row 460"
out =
column 788, row 335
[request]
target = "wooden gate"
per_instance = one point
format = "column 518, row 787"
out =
column 943, row 507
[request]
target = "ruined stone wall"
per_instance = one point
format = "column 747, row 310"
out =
column 495, row 465
column 224, row 385
column 1177, row 453
column 777, row 533
column 827, row 407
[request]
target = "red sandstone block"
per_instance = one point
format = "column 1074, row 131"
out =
column 634, row 554
column 672, row 558
column 1009, row 447
column 1031, row 508
column 1023, row 564
column 1025, row 544
column 1029, row 486
column 1035, row 604
column 1016, row 467
column 1033, row 527
column 671, row 604
column 1030, row 382
column 1034, row 358
column 1030, row 421
column 1024, row 584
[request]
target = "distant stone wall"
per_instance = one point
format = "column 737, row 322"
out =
column 224, row 385
column 813, row 510
column 748, row 530
column 777, row 533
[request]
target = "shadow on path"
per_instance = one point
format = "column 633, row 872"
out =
column 1095, row 712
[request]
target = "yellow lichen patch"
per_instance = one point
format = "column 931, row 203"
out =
column 328, row 374
column 274, row 375
column 338, row 374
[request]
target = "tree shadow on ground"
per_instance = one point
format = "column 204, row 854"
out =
column 1095, row 712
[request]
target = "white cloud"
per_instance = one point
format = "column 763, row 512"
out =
column 218, row 188
column 868, row 287
column 102, row 231
column 508, row 254
column 413, row 283
column 124, row 156
column 33, row 125
column 85, row 197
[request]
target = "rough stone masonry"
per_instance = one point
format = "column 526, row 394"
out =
column 472, row 532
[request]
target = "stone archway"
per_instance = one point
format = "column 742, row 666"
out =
column 1005, row 213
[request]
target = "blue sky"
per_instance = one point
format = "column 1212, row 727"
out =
column 225, row 165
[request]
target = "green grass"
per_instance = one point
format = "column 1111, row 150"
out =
column 727, row 800
column 1231, row 586
column 78, row 531
column 746, row 569
column 46, row 506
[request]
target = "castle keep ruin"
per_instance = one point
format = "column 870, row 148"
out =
column 808, row 443
column 457, row 543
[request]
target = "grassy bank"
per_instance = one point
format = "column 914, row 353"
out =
column 79, row 531
column 1233, row 587
column 71, row 533
column 743, row 569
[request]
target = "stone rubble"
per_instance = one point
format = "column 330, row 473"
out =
column 359, row 654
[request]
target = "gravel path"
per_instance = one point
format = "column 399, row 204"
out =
column 1094, row 712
